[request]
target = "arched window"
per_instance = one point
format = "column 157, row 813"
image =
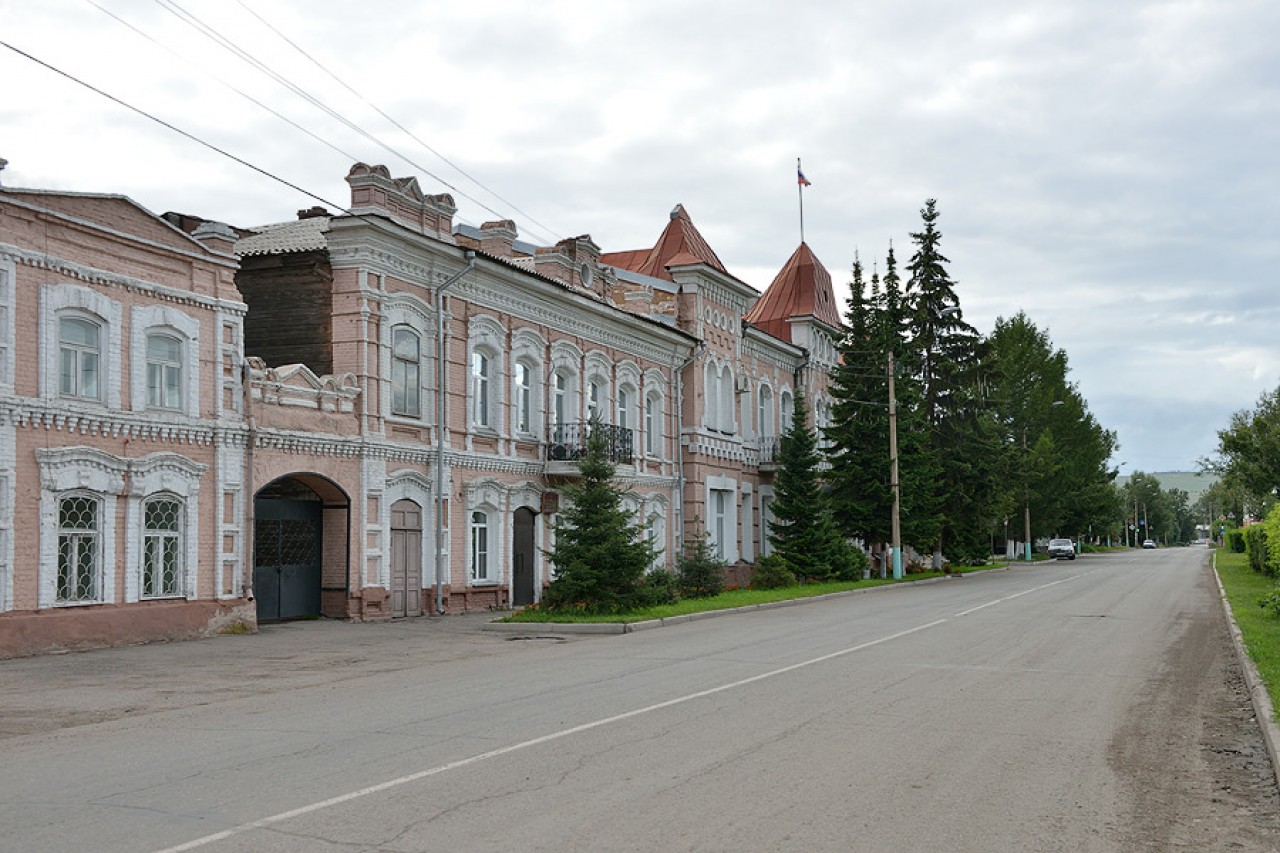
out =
column 164, row 371
column 406, row 372
column 481, row 397
column 711, row 394
column 79, row 577
column 788, row 410
column 480, row 546
column 560, row 400
column 626, row 406
column 726, row 400
column 162, row 570
column 79, row 355
column 595, row 399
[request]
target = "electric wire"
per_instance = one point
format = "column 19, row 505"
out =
column 401, row 127
column 179, row 131
column 353, row 158
column 230, row 46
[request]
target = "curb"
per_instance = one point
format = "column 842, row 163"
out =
column 553, row 628
column 1262, row 709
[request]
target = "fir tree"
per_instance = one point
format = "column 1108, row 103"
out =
column 949, row 356
column 858, row 435
column 700, row 569
column 803, row 533
column 600, row 554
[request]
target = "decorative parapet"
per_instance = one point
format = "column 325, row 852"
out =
column 374, row 191
column 297, row 385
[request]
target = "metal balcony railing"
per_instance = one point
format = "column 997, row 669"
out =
column 568, row 442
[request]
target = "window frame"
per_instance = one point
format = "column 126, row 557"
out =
column 480, row 541
column 172, row 538
column 76, row 537
column 174, row 366
column 79, row 351
column 406, row 373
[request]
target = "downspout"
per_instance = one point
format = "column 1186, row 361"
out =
column 246, row 378
column 678, row 416
column 450, row 282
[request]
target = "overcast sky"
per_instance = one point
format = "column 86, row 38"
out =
column 1107, row 166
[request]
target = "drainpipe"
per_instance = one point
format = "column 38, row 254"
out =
column 246, row 561
column 452, row 280
column 679, row 419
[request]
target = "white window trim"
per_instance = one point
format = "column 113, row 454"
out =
column 156, row 475
column 528, row 348
column 60, row 298
column 486, row 335
column 8, row 302
column 408, row 310
column 725, row 484
column 160, row 319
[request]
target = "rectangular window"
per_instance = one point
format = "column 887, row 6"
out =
column 720, row 501
column 624, row 408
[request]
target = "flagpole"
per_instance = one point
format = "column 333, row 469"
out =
column 800, row 192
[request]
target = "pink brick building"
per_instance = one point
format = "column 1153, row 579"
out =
column 362, row 415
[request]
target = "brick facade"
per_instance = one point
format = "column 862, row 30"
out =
column 258, row 434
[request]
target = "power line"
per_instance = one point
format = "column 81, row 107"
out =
column 178, row 130
column 230, row 46
column 380, row 112
column 242, row 94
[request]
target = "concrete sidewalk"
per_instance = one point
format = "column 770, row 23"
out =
column 49, row 692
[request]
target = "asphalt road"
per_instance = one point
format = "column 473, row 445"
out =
column 1075, row 706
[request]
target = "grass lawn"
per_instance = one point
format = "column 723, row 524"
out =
column 724, row 601
column 1260, row 630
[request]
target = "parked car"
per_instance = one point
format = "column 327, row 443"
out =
column 1062, row 549
column 1149, row 543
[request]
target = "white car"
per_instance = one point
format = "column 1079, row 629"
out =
column 1149, row 543
column 1062, row 549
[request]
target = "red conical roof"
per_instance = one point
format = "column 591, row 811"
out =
column 679, row 245
column 801, row 289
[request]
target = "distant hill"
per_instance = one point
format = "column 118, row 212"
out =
column 1191, row 482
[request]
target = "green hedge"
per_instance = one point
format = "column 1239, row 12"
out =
column 1235, row 540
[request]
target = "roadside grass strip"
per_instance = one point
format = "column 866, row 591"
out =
column 1259, row 629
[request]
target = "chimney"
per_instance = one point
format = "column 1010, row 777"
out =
column 496, row 238
column 313, row 212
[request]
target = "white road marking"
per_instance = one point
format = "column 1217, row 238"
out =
column 563, row 733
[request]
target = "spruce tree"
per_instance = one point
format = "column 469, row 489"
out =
column 803, row 533
column 858, row 435
column 949, row 357
column 600, row 554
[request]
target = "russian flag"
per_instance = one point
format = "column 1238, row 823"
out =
column 801, row 179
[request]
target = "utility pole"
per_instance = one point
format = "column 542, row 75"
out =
column 1026, row 504
column 895, row 485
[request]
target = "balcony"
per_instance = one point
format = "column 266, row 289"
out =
column 770, row 451
column 567, row 443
